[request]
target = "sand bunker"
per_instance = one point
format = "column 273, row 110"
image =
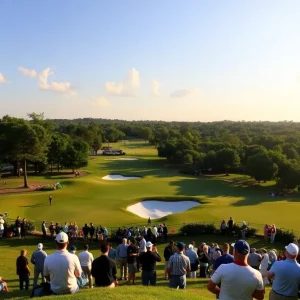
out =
column 119, row 177
column 123, row 158
column 158, row 209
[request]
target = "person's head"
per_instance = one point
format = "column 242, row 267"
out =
column 252, row 250
column 241, row 250
column 110, row 245
column 62, row 241
column 266, row 226
column 132, row 242
column 230, row 218
column 171, row 244
column 24, row 219
column 291, row 251
column 193, row 243
column 104, row 248
column 73, row 249
column 225, row 248
column 263, row 251
column 86, row 247
column 85, row 224
column 179, row 247
column 44, row 222
column 18, row 217
column 124, row 241
column 23, row 252
column 141, row 237
column 149, row 246
column 205, row 249
column 40, row 246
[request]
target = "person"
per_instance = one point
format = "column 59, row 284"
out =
column 178, row 266
column 122, row 258
column 149, row 221
column 204, row 260
column 92, row 232
column 192, row 255
column 112, row 253
column 142, row 249
column 37, row 259
column 24, row 228
column 23, row 270
column 223, row 227
column 148, row 261
column 168, row 252
column 52, row 229
column 44, row 230
column 3, row 286
column 230, row 224
column 85, row 231
column 73, row 249
column 264, row 265
column 224, row 259
column 238, row 280
column 273, row 256
column 62, row 268
column 86, row 258
column 65, row 228
column 244, row 230
column 154, row 233
column 273, row 233
column 18, row 226
column 254, row 259
column 165, row 233
column 104, row 269
column 266, row 233
column 132, row 253
column 50, row 199
column 285, row 275
column 281, row 256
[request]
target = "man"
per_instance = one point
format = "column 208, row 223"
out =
column 238, row 280
column 38, row 259
column 142, row 249
column 112, row 253
column 50, row 199
column 165, row 233
column 178, row 266
column 85, row 231
column 254, row 259
column 132, row 253
column 92, row 231
column 44, row 230
column 168, row 252
column 86, row 258
column 23, row 270
column 230, row 224
column 65, row 228
column 73, row 249
column 62, row 268
column 224, row 259
column 154, row 233
column 285, row 275
column 104, row 269
column 122, row 257
column 57, row 228
column 18, row 226
column 148, row 261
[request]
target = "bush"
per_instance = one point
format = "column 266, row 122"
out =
column 250, row 231
column 198, row 228
column 47, row 188
column 285, row 236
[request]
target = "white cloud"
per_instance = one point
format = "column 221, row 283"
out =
column 129, row 87
column 27, row 72
column 155, row 85
column 181, row 93
column 100, row 101
column 2, row 78
column 60, row 87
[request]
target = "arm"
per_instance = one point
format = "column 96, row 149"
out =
column 32, row 260
column 271, row 273
column 78, row 269
column 118, row 252
column 157, row 257
column 212, row 285
column 213, row 288
column 170, row 265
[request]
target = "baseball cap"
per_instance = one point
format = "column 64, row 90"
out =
column 292, row 249
column 180, row 245
column 62, row 238
column 242, row 247
column 40, row 246
column 149, row 244
column 73, row 248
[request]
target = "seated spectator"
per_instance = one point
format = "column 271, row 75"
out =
column 3, row 286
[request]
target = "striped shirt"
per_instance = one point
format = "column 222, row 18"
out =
column 179, row 263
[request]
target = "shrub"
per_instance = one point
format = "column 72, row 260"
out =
column 250, row 231
column 47, row 188
column 198, row 228
column 285, row 236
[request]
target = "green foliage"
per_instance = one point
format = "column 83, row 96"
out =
column 198, row 229
column 285, row 236
column 47, row 188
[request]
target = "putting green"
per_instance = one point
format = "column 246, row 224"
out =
column 91, row 199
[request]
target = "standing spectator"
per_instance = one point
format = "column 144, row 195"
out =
column 148, row 261
column 254, row 259
column 286, row 276
column 281, row 256
column 122, row 257
column 165, row 233
column 204, row 261
column 50, row 199
column 168, row 252
column 149, row 221
column 142, row 249
column 223, row 227
column 264, row 265
column 24, row 228
column 18, row 226
column 92, row 232
column 104, row 269
column 86, row 258
column 266, row 233
column 38, row 259
column 224, row 259
column 154, row 233
column 273, row 233
column 23, row 270
column 52, row 229
column 238, row 280
column 132, row 253
column 178, row 266
column 112, row 253
column 85, row 231
column 73, row 249
column 244, row 230
column 65, row 228
column 44, row 230
column 230, row 225
column 192, row 255
column 272, row 256
column 62, row 268
column 57, row 228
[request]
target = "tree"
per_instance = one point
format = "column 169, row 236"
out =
column 261, row 167
column 227, row 158
column 145, row 133
column 289, row 174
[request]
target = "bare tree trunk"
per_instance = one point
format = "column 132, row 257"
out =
column 25, row 174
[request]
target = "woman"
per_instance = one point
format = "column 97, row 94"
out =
column 204, row 260
column 192, row 255
column 223, row 227
column 264, row 266
column 23, row 228
column 281, row 256
column 273, row 233
column 244, row 230
column 266, row 233
column 272, row 257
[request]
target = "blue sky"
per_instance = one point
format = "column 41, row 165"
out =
column 168, row 60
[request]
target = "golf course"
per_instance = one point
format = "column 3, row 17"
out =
column 90, row 198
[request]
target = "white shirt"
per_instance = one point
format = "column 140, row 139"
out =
column 154, row 231
column 265, row 261
column 86, row 258
column 142, row 246
column 61, row 267
column 237, row 282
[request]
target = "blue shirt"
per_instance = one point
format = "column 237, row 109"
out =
column 192, row 255
column 122, row 251
column 287, row 277
column 223, row 260
column 112, row 254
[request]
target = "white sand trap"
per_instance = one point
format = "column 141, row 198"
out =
column 158, row 209
column 128, row 158
column 119, row 177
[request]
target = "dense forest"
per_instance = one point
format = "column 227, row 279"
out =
column 263, row 150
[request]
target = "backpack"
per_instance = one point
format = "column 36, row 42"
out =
column 41, row 290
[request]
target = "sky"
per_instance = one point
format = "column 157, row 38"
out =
column 171, row 60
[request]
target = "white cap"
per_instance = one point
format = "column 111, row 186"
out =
column 62, row 238
column 149, row 244
column 232, row 245
column 40, row 246
column 191, row 246
column 292, row 249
